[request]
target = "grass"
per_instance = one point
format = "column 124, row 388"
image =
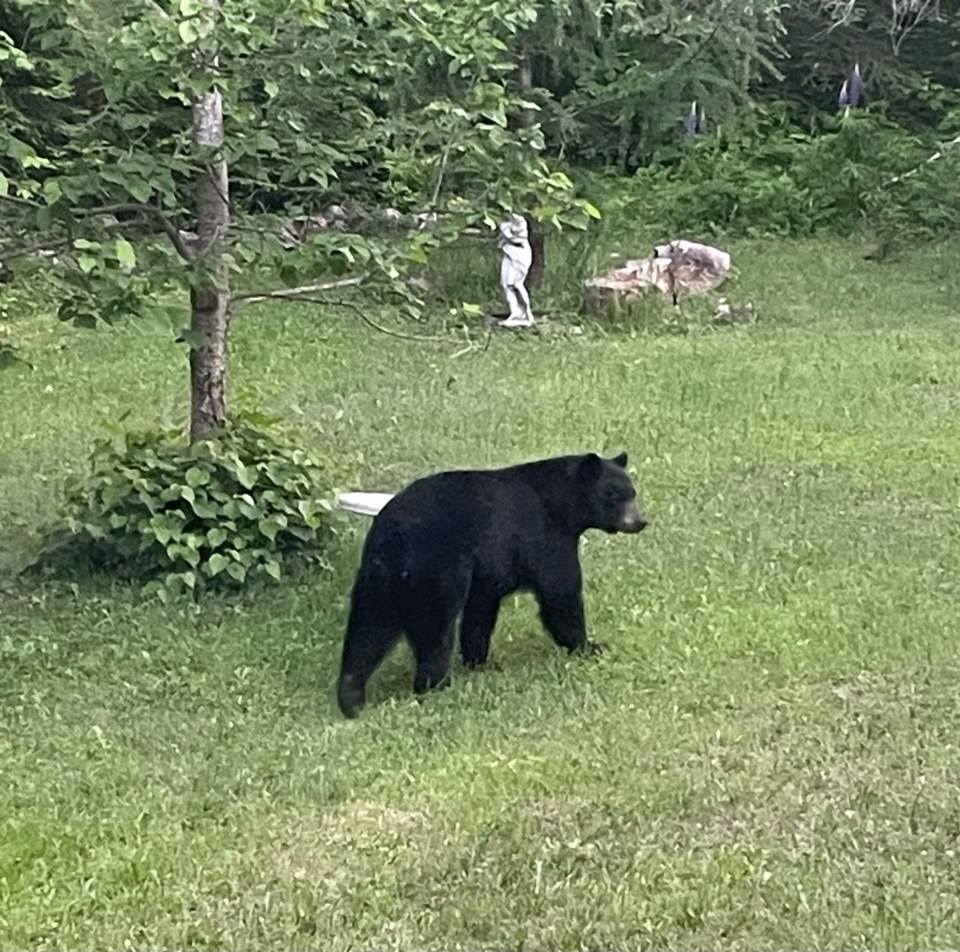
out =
column 766, row 757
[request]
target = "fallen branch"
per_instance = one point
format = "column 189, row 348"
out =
column 472, row 347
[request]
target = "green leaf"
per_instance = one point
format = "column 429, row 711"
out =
column 272, row 568
column 51, row 191
column 188, row 31
column 86, row 263
column 216, row 537
column 246, row 476
column 125, row 253
column 247, row 506
column 217, row 563
column 236, row 571
column 270, row 527
column 197, row 476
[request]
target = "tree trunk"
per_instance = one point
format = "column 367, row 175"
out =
column 538, row 260
column 528, row 117
column 210, row 295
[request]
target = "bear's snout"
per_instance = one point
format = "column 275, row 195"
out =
column 632, row 519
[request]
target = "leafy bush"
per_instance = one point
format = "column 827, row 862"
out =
column 782, row 181
column 213, row 514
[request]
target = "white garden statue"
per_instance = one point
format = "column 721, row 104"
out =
column 517, row 257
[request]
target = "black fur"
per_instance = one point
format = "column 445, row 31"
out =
column 456, row 543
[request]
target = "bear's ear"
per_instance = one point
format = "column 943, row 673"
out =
column 591, row 466
column 621, row 460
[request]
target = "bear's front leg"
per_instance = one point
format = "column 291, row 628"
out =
column 560, row 596
column 563, row 617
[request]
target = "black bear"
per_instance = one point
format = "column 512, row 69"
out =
column 459, row 542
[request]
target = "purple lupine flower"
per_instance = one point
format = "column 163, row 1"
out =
column 850, row 90
column 855, row 85
column 690, row 123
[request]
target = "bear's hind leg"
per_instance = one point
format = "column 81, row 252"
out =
column 365, row 646
column 433, row 647
column 476, row 626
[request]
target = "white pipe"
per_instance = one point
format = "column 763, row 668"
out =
column 366, row 504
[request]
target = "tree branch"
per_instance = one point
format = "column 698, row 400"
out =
column 168, row 226
column 291, row 294
column 939, row 154
column 303, row 295
column 17, row 200
column 6, row 256
column 352, row 305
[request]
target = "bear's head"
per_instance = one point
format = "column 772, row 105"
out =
column 611, row 496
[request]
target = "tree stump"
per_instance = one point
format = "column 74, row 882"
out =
column 676, row 268
column 607, row 297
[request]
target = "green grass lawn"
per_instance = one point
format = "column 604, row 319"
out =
column 767, row 756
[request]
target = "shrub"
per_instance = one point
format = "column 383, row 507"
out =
column 778, row 180
column 213, row 514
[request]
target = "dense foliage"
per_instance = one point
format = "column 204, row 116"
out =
column 192, row 517
column 781, row 180
column 460, row 108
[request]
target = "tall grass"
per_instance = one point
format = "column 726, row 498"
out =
column 766, row 756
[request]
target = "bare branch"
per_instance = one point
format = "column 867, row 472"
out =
column 292, row 294
column 905, row 16
column 156, row 6
column 933, row 158
column 419, row 338
column 908, row 14
column 168, row 226
column 303, row 295
column 16, row 200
